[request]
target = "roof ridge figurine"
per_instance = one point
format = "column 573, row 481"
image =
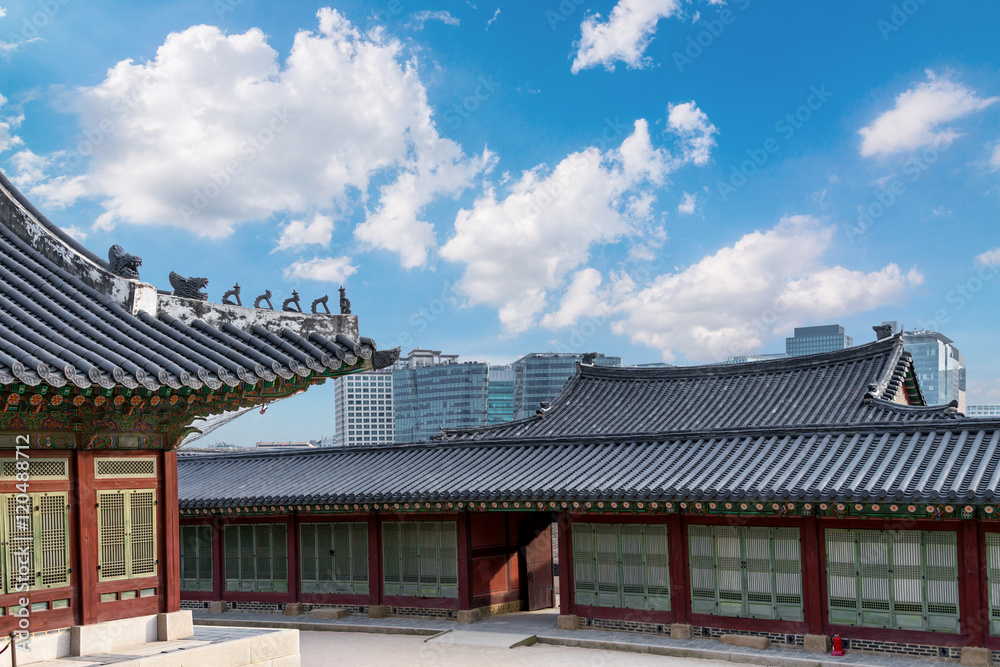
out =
column 188, row 288
column 266, row 296
column 287, row 304
column 235, row 293
column 321, row 302
column 345, row 303
column 123, row 264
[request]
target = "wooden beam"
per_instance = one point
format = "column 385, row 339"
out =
column 464, row 535
column 565, row 530
column 975, row 617
column 375, row 559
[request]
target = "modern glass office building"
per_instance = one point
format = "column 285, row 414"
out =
column 987, row 410
column 500, row 400
column 939, row 366
column 446, row 395
column 363, row 405
column 813, row 340
column 540, row 376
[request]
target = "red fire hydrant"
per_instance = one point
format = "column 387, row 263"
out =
column 838, row 645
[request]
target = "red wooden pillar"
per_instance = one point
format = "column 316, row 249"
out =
column 677, row 545
column 812, row 572
column 464, row 535
column 86, row 517
column 565, row 527
column 218, row 562
column 170, row 599
column 974, row 616
column 294, row 580
column 374, row 559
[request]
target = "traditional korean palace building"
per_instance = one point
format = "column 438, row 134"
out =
column 794, row 499
column 101, row 377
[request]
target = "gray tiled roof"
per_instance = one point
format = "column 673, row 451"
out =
column 849, row 386
column 64, row 319
column 952, row 460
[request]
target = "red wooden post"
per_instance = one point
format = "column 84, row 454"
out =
column 565, row 528
column 294, row 580
column 974, row 617
column 218, row 564
column 374, row 559
column 86, row 517
column 464, row 561
column 170, row 599
column 811, row 574
column 677, row 544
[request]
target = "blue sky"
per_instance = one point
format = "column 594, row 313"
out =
column 664, row 180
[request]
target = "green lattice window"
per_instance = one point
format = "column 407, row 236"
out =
column 905, row 579
column 126, row 526
column 746, row 571
column 35, row 532
column 993, row 579
column 625, row 566
column 256, row 557
column 196, row 558
column 334, row 557
column 420, row 558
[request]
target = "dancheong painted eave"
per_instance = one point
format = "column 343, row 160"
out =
column 67, row 320
column 872, row 383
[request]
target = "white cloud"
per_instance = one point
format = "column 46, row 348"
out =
column 983, row 391
column 493, row 20
column 7, row 124
column 299, row 233
column 580, row 299
column 519, row 249
column 919, row 116
column 76, row 233
column 443, row 16
column 693, row 126
column 326, row 269
column 740, row 297
column 624, row 36
column 56, row 191
column 989, row 258
column 995, row 158
column 688, row 201
column 217, row 130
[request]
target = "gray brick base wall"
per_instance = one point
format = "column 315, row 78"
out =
column 194, row 604
column 443, row 614
column 867, row 646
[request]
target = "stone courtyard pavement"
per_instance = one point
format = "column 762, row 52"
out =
column 469, row 644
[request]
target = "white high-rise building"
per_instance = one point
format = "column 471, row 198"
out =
column 363, row 408
column 939, row 366
column 983, row 410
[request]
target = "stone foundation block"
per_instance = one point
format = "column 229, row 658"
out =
column 217, row 607
column 293, row 609
column 377, row 611
column 469, row 615
column 816, row 644
column 174, row 625
column 978, row 657
column 329, row 613
column 681, row 631
column 746, row 641
column 568, row 622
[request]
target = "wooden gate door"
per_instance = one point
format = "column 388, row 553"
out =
column 538, row 555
